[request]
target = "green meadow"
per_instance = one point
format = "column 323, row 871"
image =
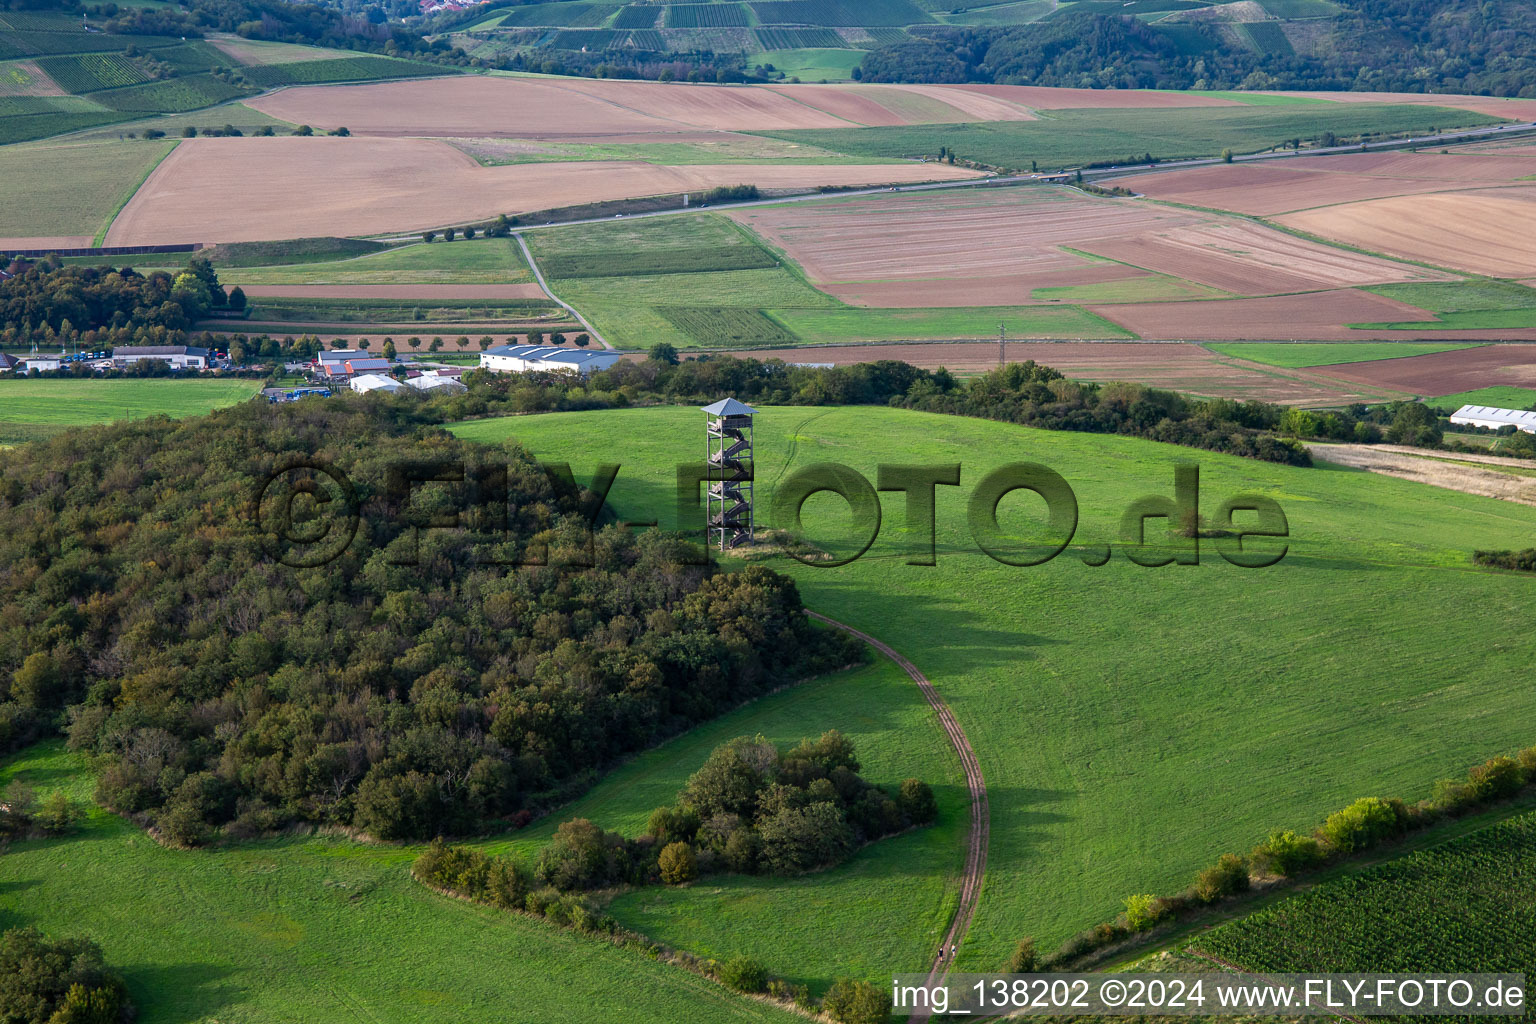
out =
column 1499, row 396
column 35, row 409
column 1297, row 355
column 472, row 261
column 1133, row 723
column 71, row 188
column 1072, row 138
column 317, row 928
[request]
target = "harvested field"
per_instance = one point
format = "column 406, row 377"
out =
column 45, row 242
column 359, row 186
column 996, row 246
column 424, row 292
column 1489, row 232
column 1283, row 186
column 550, row 108
column 1453, row 472
column 1243, row 257
column 1317, row 316
column 1187, row 368
column 1445, row 373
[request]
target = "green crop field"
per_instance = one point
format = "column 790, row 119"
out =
column 34, row 117
column 660, row 245
column 35, row 409
column 304, row 310
column 857, row 323
column 473, row 261
column 340, row 69
column 702, row 16
column 170, row 96
column 1297, row 355
column 837, row 13
column 1069, row 138
column 1480, row 304
column 316, row 929
column 1468, row 905
column 1500, row 397
column 797, row 38
column 70, row 188
column 1102, row 702
column 89, row 72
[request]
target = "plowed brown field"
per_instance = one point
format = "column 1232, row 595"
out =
column 1317, row 316
column 1485, row 232
column 557, row 108
column 1446, row 373
column 248, row 189
column 991, row 247
column 1282, row 186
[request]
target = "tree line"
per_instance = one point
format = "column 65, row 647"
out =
column 221, row 691
column 58, row 981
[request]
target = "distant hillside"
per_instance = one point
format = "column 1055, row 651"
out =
column 91, row 65
column 1472, row 46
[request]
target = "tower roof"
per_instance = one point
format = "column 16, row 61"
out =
column 730, row 407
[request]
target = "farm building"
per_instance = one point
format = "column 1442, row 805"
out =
column 523, row 358
column 1493, row 418
column 366, row 382
column 179, row 357
column 431, row 383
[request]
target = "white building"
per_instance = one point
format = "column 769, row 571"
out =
column 522, row 358
column 1493, row 418
column 431, row 383
column 367, row 382
column 179, row 357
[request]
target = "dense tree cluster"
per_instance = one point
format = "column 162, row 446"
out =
column 221, row 688
column 58, row 981
column 753, row 808
column 1461, row 46
column 51, row 304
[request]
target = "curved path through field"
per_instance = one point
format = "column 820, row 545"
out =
column 976, row 852
column 538, row 275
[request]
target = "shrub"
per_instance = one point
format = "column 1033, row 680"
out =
column 1024, row 960
column 677, row 864
column 1497, row 778
column 63, row 981
column 743, row 974
column 1227, row 876
column 917, row 801
column 1286, row 853
column 856, row 1002
column 1143, row 910
column 57, row 815
column 1527, row 759
column 673, row 825
column 1361, row 825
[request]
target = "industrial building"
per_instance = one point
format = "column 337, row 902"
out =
column 1494, row 418
column 523, row 358
column 178, row 357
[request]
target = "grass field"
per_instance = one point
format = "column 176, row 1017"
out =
column 1501, row 397
column 426, row 312
column 1070, row 138
column 813, row 64
column 832, row 326
column 316, row 929
column 34, row 409
column 70, row 188
column 1468, row 905
column 476, row 261
column 820, row 925
column 1479, row 304
column 1297, row 355
column 653, row 246
column 1103, row 701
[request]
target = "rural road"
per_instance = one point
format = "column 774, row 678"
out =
column 976, row 852
column 538, row 275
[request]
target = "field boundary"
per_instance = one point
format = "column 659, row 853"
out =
column 101, row 232
column 538, row 275
column 981, row 818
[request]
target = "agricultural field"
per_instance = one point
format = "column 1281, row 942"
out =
column 1500, row 397
column 34, row 409
column 479, row 261
column 170, row 96
column 338, row 69
column 1467, row 905
column 663, row 245
column 397, row 951
column 812, row 64
column 1095, row 787
column 1299, row 355
column 90, row 72
column 1071, row 138
column 677, row 148
column 1447, row 373
column 332, row 186
column 70, row 190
